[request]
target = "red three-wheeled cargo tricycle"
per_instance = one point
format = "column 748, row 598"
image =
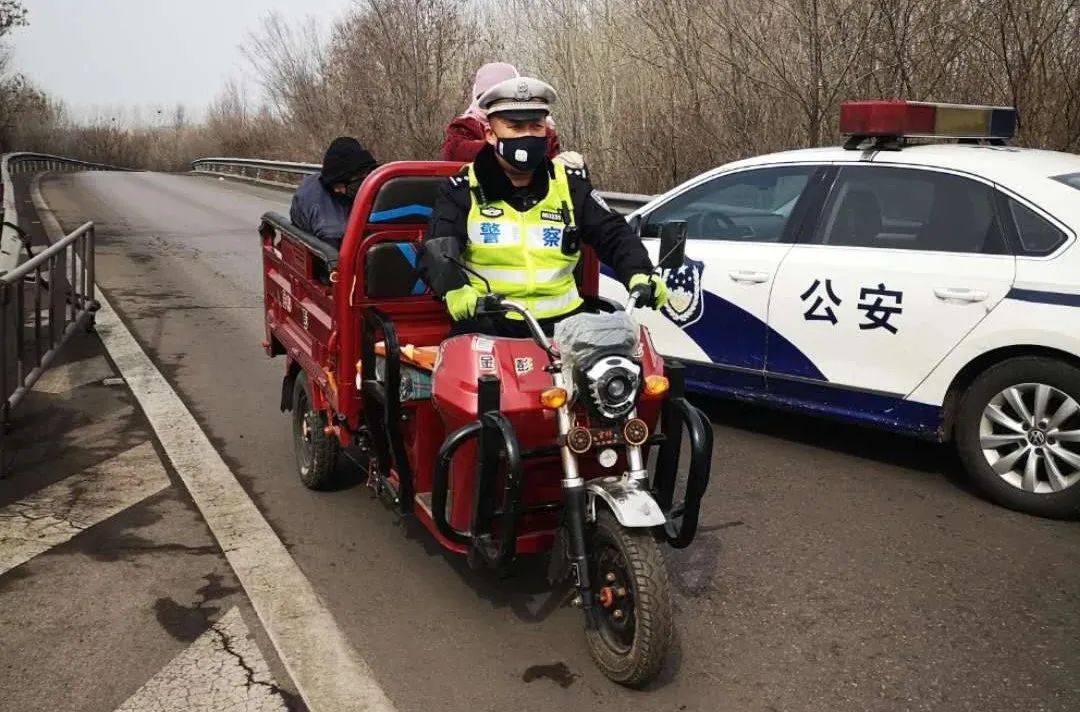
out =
column 500, row 447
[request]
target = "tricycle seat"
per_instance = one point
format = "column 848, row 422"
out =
column 390, row 270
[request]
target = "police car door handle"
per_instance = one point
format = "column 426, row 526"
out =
column 960, row 294
column 746, row 276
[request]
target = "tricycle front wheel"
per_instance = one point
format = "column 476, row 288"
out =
column 635, row 615
column 316, row 452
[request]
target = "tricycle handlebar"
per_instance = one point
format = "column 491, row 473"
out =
column 496, row 303
column 640, row 295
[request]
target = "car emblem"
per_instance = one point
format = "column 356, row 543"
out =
column 685, row 305
column 1037, row 438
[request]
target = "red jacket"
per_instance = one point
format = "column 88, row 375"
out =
column 465, row 137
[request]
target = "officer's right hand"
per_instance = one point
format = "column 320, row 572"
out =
column 658, row 288
column 461, row 302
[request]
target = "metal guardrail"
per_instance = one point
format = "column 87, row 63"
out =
column 48, row 298
column 285, row 174
column 11, row 242
column 43, row 303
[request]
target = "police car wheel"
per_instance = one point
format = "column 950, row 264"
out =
column 1018, row 433
column 316, row 452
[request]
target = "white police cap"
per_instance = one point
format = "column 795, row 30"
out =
column 518, row 98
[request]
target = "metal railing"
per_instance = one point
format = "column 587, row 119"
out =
column 11, row 240
column 45, row 299
column 285, row 174
column 43, row 302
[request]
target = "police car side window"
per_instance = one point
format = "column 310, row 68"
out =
column 910, row 209
column 747, row 206
column 1037, row 235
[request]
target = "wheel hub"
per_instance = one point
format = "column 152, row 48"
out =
column 1030, row 437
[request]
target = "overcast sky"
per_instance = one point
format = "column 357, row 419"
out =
column 97, row 55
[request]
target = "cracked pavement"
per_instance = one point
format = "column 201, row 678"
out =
column 222, row 671
column 98, row 543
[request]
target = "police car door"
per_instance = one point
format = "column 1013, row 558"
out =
column 901, row 264
column 738, row 232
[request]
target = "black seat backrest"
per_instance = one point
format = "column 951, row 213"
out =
column 390, row 267
column 405, row 199
column 390, row 271
column 858, row 219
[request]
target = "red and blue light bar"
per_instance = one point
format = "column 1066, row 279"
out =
column 926, row 120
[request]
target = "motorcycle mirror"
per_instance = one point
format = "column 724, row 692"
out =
column 672, row 244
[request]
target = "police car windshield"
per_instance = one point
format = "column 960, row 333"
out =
column 1070, row 179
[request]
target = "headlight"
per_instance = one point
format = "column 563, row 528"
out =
column 612, row 384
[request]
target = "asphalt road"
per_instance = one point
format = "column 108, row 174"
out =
column 837, row 569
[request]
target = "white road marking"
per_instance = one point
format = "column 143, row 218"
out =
column 61, row 379
column 222, row 670
column 329, row 674
column 55, row 514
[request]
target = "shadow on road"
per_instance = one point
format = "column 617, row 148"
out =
column 856, row 440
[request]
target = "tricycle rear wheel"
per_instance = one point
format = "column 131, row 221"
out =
column 316, row 452
column 635, row 615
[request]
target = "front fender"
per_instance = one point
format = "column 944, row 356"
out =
column 631, row 504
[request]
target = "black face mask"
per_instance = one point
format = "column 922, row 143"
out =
column 524, row 153
column 352, row 188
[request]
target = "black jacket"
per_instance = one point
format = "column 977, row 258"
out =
column 606, row 232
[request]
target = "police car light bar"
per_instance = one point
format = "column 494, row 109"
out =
column 916, row 119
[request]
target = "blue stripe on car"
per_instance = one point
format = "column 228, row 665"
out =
column 733, row 338
column 731, row 335
column 1041, row 297
column 891, row 412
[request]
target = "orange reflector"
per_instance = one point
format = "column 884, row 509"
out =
column 656, row 386
column 553, row 398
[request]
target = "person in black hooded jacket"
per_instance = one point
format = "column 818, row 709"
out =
column 323, row 200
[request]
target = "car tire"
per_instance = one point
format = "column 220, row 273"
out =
column 316, row 451
column 1008, row 434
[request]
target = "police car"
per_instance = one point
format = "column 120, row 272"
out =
column 928, row 286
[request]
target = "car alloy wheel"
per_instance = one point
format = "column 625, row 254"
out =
column 1030, row 437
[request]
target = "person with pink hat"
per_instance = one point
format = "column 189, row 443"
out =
column 465, row 134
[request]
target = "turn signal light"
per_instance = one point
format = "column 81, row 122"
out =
column 656, row 386
column 553, row 398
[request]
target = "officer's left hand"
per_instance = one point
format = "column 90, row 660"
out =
column 658, row 285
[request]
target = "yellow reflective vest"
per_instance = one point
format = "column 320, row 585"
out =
column 520, row 253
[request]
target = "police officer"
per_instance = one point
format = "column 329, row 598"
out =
column 519, row 219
